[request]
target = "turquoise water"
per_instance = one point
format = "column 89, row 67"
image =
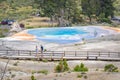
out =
column 64, row 35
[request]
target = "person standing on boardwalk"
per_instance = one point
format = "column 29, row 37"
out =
column 41, row 48
column 36, row 49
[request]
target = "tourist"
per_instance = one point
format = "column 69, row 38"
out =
column 36, row 49
column 41, row 49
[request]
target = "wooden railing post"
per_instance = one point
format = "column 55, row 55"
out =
column 18, row 53
column 99, row 54
column 7, row 52
column 96, row 57
column 51, row 55
column 64, row 53
column 75, row 54
column 87, row 55
column 118, row 54
column 30, row 53
column 108, row 54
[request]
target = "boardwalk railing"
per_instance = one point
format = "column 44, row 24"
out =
column 57, row 55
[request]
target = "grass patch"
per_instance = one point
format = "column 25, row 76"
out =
column 97, row 70
column 43, row 72
column 1, row 35
column 33, row 72
column 29, row 20
column 2, row 31
column 27, row 24
column 110, row 68
column 82, row 76
column 13, row 75
column 30, row 27
column 44, row 60
column 38, row 22
column 79, row 76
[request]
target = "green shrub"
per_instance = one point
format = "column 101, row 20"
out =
column 32, row 77
column 66, row 68
column 58, row 68
column 80, row 68
column 77, row 68
column 105, row 20
column 1, row 35
column 97, row 70
column 85, row 77
column 110, row 68
column 62, row 66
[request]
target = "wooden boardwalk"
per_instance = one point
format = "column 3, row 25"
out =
column 58, row 55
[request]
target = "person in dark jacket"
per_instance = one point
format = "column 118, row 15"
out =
column 42, row 49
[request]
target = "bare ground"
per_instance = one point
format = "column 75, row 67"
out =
column 24, row 68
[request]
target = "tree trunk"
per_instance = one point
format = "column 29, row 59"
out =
column 61, row 22
column 61, row 19
column 90, row 19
